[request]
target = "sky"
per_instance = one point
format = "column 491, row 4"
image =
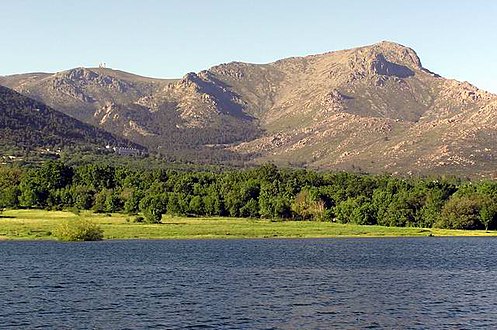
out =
column 169, row 38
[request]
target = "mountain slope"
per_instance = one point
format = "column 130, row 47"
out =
column 26, row 123
column 165, row 115
column 375, row 108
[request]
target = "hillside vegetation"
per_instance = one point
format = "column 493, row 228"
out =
column 28, row 124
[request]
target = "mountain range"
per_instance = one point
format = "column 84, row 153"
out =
column 372, row 108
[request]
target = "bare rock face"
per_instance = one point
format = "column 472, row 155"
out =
column 374, row 108
column 333, row 101
column 234, row 70
column 399, row 54
column 380, row 66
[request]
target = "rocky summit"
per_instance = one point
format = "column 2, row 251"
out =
column 373, row 108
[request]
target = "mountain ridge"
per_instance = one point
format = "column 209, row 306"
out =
column 373, row 107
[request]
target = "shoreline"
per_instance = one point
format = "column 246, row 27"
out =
column 37, row 225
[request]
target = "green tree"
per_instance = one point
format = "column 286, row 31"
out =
column 196, row 206
column 31, row 191
column 153, row 207
column 113, row 202
column 488, row 211
column 82, row 197
column 54, row 175
column 268, row 199
column 10, row 179
column 100, row 200
column 307, row 206
column 250, row 209
column 358, row 210
column 95, row 176
column 132, row 203
column 461, row 212
column 213, row 203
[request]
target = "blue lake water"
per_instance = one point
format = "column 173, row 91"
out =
column 399, row 283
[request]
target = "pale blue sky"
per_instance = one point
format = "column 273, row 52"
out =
column 168, row 38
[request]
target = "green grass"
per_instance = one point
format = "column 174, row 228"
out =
column 39, row 224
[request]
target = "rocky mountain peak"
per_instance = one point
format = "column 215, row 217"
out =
column 77, row 74
column 191, row 80
column 189, row 77
column 375, row 62
column 398, row 53
column 81, row 78
column 384, row 58
column 234, row 70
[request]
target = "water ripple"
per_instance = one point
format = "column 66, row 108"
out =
column 411, row 283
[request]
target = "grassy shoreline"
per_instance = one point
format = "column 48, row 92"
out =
column 38, row 225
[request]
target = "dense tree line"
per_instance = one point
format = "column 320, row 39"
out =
column 262, row 192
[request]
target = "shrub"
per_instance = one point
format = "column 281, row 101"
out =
column 152, row 215
column 78, row 230
column 139, row 219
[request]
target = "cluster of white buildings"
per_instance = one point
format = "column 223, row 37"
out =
column 124, row 151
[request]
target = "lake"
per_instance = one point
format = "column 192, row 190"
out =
column 416, row 283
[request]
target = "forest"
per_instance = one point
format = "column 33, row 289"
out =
column 265, row 191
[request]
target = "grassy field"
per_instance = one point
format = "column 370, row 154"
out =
column 38, row 224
